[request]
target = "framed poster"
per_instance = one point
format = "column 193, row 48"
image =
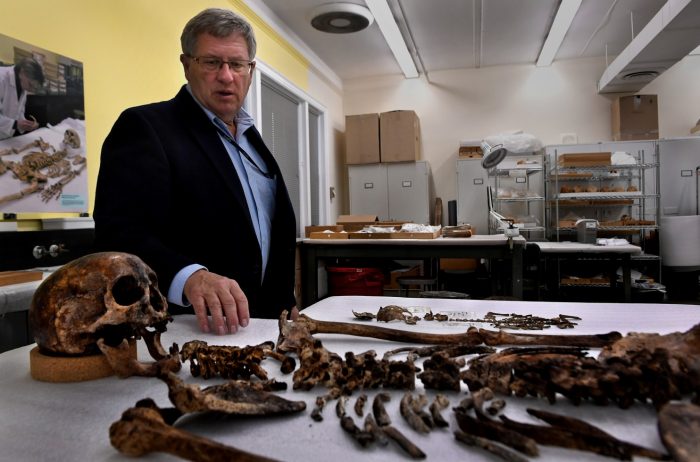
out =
column 42, row 131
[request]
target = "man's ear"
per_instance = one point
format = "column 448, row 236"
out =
column 185, row 64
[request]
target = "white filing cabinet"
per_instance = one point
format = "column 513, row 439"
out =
column 472, row 202
column 393, row 191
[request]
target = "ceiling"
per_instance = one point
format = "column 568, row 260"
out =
column 457, row 34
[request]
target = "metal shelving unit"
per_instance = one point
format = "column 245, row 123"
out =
column 623, row 197
column 518, row 193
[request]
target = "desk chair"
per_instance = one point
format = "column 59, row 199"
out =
column 423, row 282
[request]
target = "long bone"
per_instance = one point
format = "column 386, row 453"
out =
column 143, row 430
column 304, row 327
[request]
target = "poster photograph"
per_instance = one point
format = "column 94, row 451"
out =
column 43, row 162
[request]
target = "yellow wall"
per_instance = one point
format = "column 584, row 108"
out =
column 130, row 52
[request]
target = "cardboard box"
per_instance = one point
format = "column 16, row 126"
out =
column 359, row 235
column 362, row 139
column 470, row 152
column 399, row 136
column 584, row 159
column 635, row 118
column 352, row 219
column 312, row 229
column 328, row 235
column 395, row 235
column 353, row 223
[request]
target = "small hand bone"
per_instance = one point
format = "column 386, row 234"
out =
column 142, row 430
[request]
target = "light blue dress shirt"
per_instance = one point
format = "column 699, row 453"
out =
column 259, row 188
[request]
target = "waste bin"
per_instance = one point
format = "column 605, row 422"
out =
column 355, row 281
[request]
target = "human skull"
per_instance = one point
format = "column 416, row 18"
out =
column 96, row 303
column 71, row 138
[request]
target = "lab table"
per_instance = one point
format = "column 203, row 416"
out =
column 496, row 246
column 612, row 254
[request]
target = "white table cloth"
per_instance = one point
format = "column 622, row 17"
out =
column 70, row 421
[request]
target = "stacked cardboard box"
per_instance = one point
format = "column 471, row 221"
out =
column 635, row 118
column 362, row 139
column 399, row 136
column 387, row 137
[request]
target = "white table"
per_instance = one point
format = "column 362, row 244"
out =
column 70, row 422
column 477, row 246
column 15, row 300
column 18, row 297
column 612, row 253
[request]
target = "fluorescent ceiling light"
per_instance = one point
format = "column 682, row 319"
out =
column 385, row 20
column 562, row 21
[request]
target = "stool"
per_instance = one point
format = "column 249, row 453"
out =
column 443, row 294
column 424, row 282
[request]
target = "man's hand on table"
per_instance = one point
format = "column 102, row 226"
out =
column 219, row 296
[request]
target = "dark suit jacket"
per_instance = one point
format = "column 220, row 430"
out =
column 168, row 192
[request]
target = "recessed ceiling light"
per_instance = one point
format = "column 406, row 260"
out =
column 341, row 18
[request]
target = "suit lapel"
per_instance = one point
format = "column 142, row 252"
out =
column 202, row 130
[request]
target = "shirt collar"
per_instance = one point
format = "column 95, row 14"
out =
column 243, row 120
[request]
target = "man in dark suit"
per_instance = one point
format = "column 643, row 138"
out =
column 189, row 186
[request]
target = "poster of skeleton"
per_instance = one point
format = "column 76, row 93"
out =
column 42, row 131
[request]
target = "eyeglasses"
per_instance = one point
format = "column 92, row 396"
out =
column 211, row 64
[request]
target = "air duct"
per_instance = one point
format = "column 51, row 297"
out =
column 669, row 37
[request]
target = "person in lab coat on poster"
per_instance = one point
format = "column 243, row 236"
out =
column 16, row 81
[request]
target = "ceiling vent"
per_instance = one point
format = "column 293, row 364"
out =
column 641, row 75
column 341, row 18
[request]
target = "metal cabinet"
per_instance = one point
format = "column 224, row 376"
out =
column 472, row 200
column 392, row 191
column 369, row 190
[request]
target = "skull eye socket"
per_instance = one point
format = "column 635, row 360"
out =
column 127, row 291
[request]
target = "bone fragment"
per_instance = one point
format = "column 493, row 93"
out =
column 580, row 427
column 379, row 411
column 374, row 429
column 237, row 397
column 405, row 444
column 363, row 437
column 495, row 431
column 142, row 431
column 571, row 437
column 360, row 405
column 439, row 403
column 340, row 406
column 124, row 365
column 490, row 446
column 414, row 420
column 291, row 334
column 679, row 426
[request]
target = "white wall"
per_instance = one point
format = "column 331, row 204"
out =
column 332, row 99
column 546, row 102
column 679, row 97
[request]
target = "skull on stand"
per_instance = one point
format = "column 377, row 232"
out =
column 97, row 303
